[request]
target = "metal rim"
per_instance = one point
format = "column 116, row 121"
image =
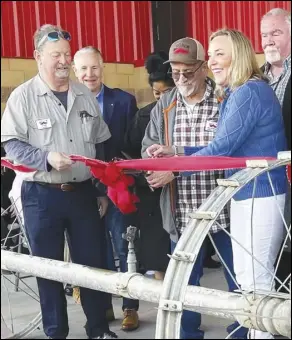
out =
column 187, row 249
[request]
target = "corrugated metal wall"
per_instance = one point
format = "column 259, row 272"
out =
column 205, row 17
column 121, row 29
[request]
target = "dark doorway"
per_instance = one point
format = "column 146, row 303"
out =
column 169, row 23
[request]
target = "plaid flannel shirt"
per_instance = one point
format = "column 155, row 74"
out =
column 196, row 126
column 279, row 84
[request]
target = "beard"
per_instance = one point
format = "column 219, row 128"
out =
column 186, row 89
column 272, row 55
column 62, row 73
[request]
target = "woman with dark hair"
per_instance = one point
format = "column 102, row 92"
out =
column 154, row 243
column 160, row 80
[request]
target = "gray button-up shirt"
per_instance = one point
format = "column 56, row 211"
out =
column 34, row 115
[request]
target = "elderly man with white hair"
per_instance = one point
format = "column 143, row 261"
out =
column 276, row 43
column 47, row 119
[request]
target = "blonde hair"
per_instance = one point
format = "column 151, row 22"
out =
column 244, row 65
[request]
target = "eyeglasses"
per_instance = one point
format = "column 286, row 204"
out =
column 187, row 74
column 55, row 36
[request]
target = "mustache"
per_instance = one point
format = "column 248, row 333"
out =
column 185, row 83
column 271, row 49
column 63, row 66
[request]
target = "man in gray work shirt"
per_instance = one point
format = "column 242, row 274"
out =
column 45, row 120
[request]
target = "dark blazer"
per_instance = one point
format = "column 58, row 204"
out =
column 149, row 219
column 119, row 108
column 287, row 113
column 136, row 131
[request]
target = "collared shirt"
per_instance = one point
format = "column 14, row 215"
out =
column 99, row 98
column 279, row 83
column 195, row 125
column 34, row 115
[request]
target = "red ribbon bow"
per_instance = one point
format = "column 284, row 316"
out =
column 117, row 182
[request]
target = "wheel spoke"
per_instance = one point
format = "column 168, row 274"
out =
column 251, row 235
column 279, row 208
column 259, row 262
column 226, row 267
column 26, row 293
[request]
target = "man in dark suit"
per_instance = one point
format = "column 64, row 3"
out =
column 118, row 108
column 276, row 43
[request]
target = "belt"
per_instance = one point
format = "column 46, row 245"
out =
column 68, row 187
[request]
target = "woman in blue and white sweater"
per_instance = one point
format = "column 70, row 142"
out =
column 250, row 125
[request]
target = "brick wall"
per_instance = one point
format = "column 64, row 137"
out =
column 125, row 76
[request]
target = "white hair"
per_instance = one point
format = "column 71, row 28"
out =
column 279, row 12
column 89, row 49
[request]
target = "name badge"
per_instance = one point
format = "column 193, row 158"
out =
column 44, row 123
column 211, row 126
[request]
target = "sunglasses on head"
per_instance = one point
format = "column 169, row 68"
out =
column 55, row 36
column 187, row 74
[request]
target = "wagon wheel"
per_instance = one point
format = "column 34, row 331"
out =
column 18, row 292
column 190, row 243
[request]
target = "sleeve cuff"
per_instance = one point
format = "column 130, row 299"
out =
column 48, row 166
column 180, row 150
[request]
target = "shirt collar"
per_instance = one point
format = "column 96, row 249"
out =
column 42, row 88
column 101, row 92
column 287, row 65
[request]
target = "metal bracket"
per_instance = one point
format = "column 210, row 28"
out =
column 228, row 183
column 123, row 284
column 183, row 256
column 283, row 155
column 257, row 163
column 204, row 215
column 171, row 306
column 130, row 234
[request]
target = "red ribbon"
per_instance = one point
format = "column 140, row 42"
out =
column 187, row 163
column 111, row 174
column 8, row 164
column 117, row 182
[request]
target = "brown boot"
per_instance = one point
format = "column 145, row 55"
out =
column 131, row 320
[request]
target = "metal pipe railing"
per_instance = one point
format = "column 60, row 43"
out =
column 133, row 285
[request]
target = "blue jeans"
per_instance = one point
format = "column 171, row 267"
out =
column 48, row 212
column 117, row 223
column 191, row 321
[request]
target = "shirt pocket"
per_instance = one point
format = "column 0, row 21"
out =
column 89, row 129
column 41, row 131
column 209, row 131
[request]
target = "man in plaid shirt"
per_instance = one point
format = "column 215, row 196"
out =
column 188, row 116
column 276, row 44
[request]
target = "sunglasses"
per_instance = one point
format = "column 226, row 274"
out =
column 55, row 36
column 187, row 74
